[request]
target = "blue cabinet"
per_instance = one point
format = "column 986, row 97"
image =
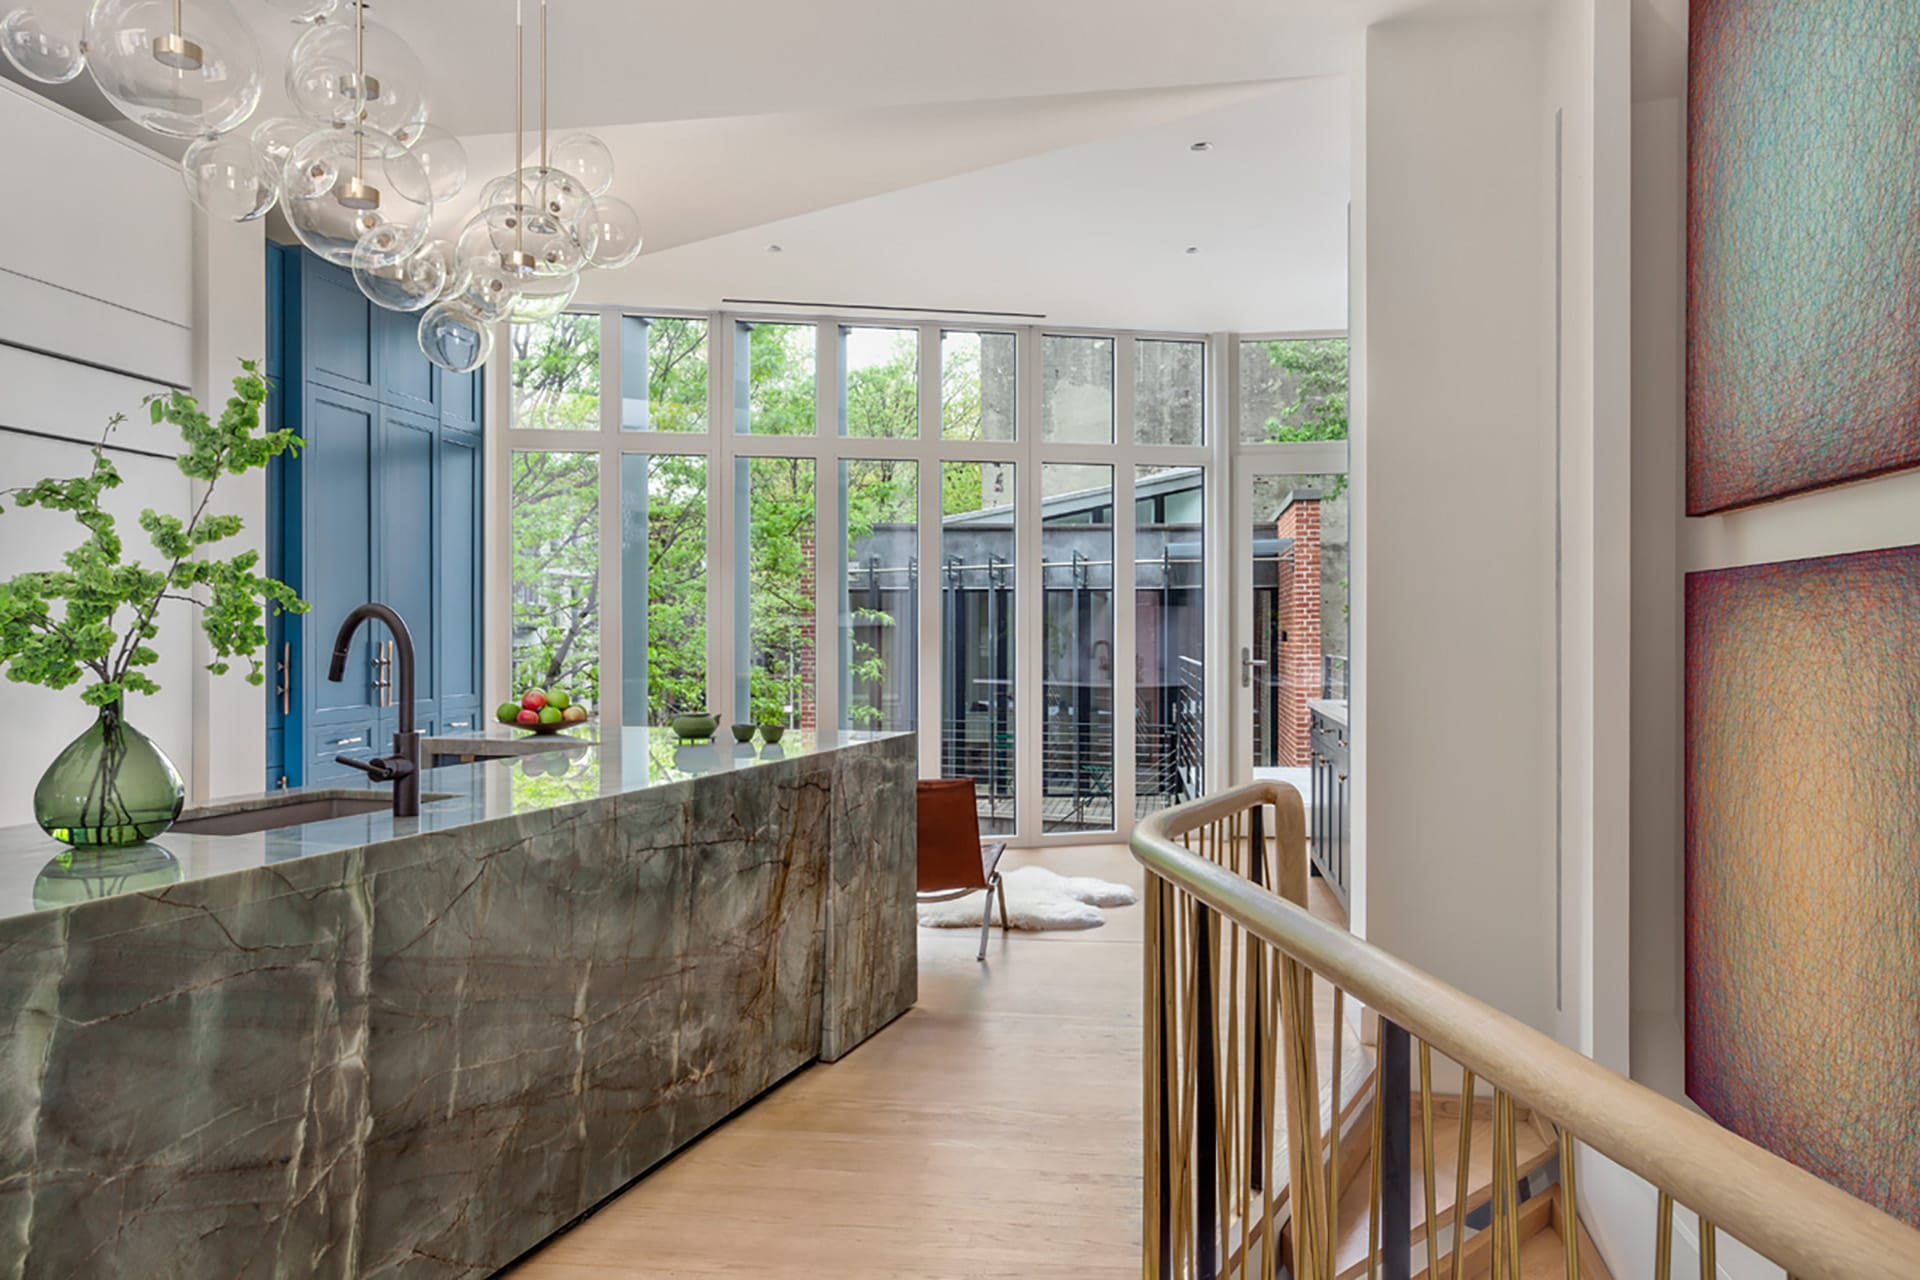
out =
column 384, row 502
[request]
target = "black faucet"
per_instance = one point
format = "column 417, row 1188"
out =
column 402, row 768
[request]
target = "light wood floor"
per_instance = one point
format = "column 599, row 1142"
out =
column 992, row 1131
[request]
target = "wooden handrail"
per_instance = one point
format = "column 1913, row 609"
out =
column 1813, row 1229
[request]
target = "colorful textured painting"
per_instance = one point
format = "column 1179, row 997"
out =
column 1803, row 864
column 1803, row 246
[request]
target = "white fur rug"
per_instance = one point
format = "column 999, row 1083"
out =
column 1037, row 899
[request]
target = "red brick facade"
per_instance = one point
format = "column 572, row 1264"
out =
column 809, row 646
column 1298, row 609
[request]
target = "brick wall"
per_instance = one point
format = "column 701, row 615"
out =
column 809, row 644
column 1298, row 607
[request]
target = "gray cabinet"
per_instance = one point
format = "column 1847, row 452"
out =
column 1331, row 840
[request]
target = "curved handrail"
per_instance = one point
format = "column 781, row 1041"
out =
column 1813, row 1229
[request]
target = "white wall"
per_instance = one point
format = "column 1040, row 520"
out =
column 1454, row 472
column 108, row 291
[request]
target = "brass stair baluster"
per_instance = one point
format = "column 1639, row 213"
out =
column 1570, row 1202
column 1663, row 1240
column 1460, row 1183
column 1373, row 1207
column 1333, row 1155
column 1426, row 1159
column 1709, row 1264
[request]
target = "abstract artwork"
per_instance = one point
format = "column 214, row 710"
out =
column 1803, row 864
column 1803, row 246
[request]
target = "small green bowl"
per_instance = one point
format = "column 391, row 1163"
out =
column 743, row 733
column 695, row 726
column 770, row 733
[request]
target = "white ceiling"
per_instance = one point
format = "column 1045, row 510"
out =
column 1021, row 155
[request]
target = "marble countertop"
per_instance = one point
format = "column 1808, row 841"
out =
column 37, row 873
column 506, row 740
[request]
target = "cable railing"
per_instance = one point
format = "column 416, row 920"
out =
column 1238, row 973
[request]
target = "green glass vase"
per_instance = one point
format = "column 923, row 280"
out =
column 110, row 788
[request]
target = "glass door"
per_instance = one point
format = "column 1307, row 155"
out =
column 1291, row 651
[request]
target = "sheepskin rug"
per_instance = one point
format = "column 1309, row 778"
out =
column 1037, row 899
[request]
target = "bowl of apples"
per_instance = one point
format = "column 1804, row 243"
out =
column 539, row 711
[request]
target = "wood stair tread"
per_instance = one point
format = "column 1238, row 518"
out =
column 1535, row 1151
column 1543, row 1252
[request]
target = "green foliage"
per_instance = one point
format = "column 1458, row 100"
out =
column 556, row 374
column 1312, row 390
column 97, row 614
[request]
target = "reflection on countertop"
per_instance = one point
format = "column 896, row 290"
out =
column 37, row 873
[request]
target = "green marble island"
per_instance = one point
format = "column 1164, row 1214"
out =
column 369, row 1047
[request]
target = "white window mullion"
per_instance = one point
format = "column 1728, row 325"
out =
column 932, row 603
column 721, row 565
column 829, row 560
column 1029, row 644
column 1124, row 612
column 612, row 618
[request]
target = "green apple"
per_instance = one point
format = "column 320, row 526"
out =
column 559, row 700
column 550, row 714
column 507, row 712
column 575, row 715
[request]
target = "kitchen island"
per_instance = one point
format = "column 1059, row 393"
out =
column 368, row 1046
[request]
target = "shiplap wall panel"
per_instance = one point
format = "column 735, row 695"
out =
column 99, row 267
column 51, row 396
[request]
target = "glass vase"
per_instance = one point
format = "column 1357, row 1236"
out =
column 110, row 788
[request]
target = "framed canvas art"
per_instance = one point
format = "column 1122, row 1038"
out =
column 1803, row 246
column 1803, row 864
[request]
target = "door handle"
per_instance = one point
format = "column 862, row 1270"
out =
column 1247, row 663
column 283, row 669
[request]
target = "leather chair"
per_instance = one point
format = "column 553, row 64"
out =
column 953, row 861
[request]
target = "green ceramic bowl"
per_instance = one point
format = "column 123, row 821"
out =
column 770, row 733
column 695, row 726
column 743, row 733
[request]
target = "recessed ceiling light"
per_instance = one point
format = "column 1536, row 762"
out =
column 1193, row 249
column 774, row 248
column 1201, row 146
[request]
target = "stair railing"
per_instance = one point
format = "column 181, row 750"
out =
column 1234, row 967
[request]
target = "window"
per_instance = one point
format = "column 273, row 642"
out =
column 774, row 572
column 977, row 596
column 663, row 373
column 663, row 566
column 773, row 376
column 1076, row 390
column 1169, row 392
column 556, row 374
column 1077, row 581
column 1293, row 390
column 879, row 594
column 555, row 514
column 880, row 387
column 977, row 385
column 1170, row 636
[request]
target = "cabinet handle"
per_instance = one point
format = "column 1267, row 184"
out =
column 284, row 670
column 349, row 742
column 459, row 724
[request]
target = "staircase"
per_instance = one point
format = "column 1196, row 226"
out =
column 1403, row 1166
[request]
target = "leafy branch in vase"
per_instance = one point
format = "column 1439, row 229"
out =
column 98, row 614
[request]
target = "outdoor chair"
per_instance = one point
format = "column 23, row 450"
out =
column 953, row 861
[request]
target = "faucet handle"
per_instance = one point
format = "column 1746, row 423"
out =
column 380, row 770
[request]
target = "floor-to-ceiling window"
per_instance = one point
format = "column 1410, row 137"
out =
column 898, row 525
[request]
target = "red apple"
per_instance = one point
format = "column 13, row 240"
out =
column 528, row 716
column 534, row 700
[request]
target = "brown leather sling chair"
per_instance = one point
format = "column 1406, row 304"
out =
column 953, row 861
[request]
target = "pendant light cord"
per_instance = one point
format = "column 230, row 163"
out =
column 519, row 123
column 360, row 86
column 544, row 161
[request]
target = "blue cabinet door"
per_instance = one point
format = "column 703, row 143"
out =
column 383, row 503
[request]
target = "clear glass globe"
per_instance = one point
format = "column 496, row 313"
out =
column 586, row 158
column 303, row 10
column 454, row 338
column 228, row 177
column 201, row 79
column 441, row 154
column 274, row 140
column 616, row 240
column 544, row 297
column 486, row 288
column 518, row 229
column 39, row 49
column 325, row 86
column 340, row 187
column 552, row 191
column 412, row 284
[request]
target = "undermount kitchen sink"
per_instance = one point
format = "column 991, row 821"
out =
column 271, row 813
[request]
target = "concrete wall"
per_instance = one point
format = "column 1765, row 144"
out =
column 110, row 291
